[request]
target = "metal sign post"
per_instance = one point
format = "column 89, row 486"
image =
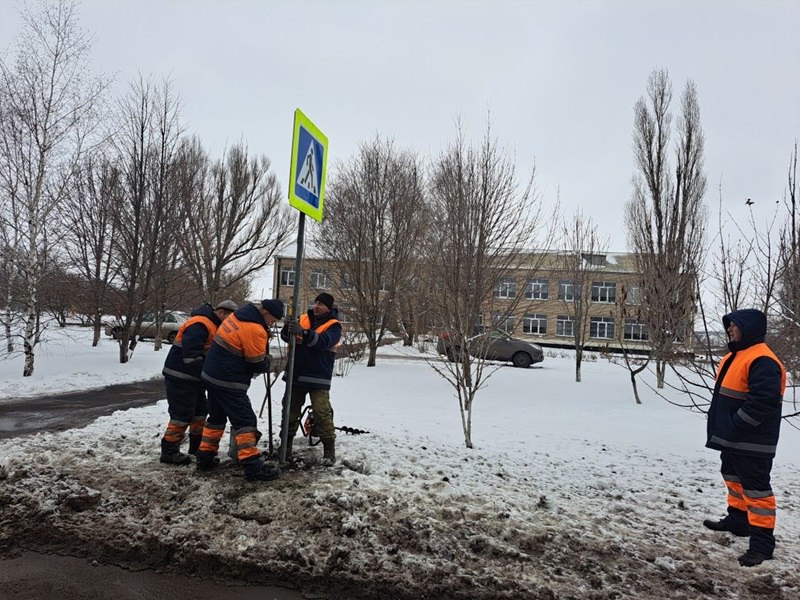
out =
column 306, row 194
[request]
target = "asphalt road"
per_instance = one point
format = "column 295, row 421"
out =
column 34, row 576
column 59, row 412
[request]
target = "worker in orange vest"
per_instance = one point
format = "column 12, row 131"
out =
column 317, row 337
column 238, row 353
column 744, row 423
column 186, row 398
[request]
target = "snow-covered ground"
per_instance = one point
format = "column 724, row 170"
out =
column 572, row 490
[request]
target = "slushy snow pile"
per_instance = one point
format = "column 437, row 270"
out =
column 571, row 491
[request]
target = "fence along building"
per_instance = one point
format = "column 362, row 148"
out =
column 544, row 296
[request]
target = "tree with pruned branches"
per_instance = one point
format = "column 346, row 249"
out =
column 665, row 217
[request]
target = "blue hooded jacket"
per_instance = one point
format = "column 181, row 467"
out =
column 745, row 413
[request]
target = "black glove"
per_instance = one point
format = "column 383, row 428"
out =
column 296, row 329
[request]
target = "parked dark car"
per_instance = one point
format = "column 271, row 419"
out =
column 494, row 345
column 169, row 327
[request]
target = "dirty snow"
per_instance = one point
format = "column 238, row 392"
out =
column 571, row 491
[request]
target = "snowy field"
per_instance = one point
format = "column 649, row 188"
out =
column 571, row 491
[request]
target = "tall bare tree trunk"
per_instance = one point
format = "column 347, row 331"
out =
column 665, row 218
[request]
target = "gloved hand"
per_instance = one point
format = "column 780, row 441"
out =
column 295, row 328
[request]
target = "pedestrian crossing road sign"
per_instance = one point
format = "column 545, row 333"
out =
column 309, row 162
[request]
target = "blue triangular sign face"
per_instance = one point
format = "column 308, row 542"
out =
column 308, row 177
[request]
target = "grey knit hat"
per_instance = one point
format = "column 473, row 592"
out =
column 226, row 305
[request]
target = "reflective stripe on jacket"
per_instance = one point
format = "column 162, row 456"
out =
column 305, row 323
column 745, row 412
column 238, row 350
column 315, row 352
column 185, row 358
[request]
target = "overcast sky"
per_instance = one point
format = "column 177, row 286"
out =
column 560, row 80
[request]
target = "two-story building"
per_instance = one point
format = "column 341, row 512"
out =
column 541, row 298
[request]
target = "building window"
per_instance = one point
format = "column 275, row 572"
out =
column 479, row 327
column 601, row 328
column 347, row 281
column 345, row 314
column 384, row 285
column 287, row 275
column 567, row 290
column 634, row 331
column 503, row 324
column 506, row 288
column 565, row 326
column 536, row 289
column 320, row 280
column 634, row 295
column 604, row 291
column 534, row 324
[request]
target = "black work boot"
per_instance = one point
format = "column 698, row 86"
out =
column 256, row 469
column 206, row 461
column 751, row 558
column 172, row 455
column 328, row 453
column 727, row 525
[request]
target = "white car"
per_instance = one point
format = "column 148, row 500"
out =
column 172, row 321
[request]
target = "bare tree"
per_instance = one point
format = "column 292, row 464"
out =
column 235, row 219
column 629, row 315
column 484, row 226
column 580, row 263
column 148, row 134
column 760, row 270
column 90, row 229
column 166, row 201
column 47, row 111
column 375, row 218
column 10, row 268
column 413, row 312
column 666, row 216
column 787, row 330
column 731, row 268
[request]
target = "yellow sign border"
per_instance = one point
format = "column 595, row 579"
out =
column 300, row 204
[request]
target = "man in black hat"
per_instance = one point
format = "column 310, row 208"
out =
column 317, row 337
column 237, row 354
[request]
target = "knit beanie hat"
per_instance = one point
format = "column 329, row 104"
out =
column 226, row 305
column 326, row 299
column 273, row 307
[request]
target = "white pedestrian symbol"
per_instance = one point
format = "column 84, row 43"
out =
column 308, row 173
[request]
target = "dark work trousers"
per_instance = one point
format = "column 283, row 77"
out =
column 186, row 400
column 751, row 502
column 226, row 404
